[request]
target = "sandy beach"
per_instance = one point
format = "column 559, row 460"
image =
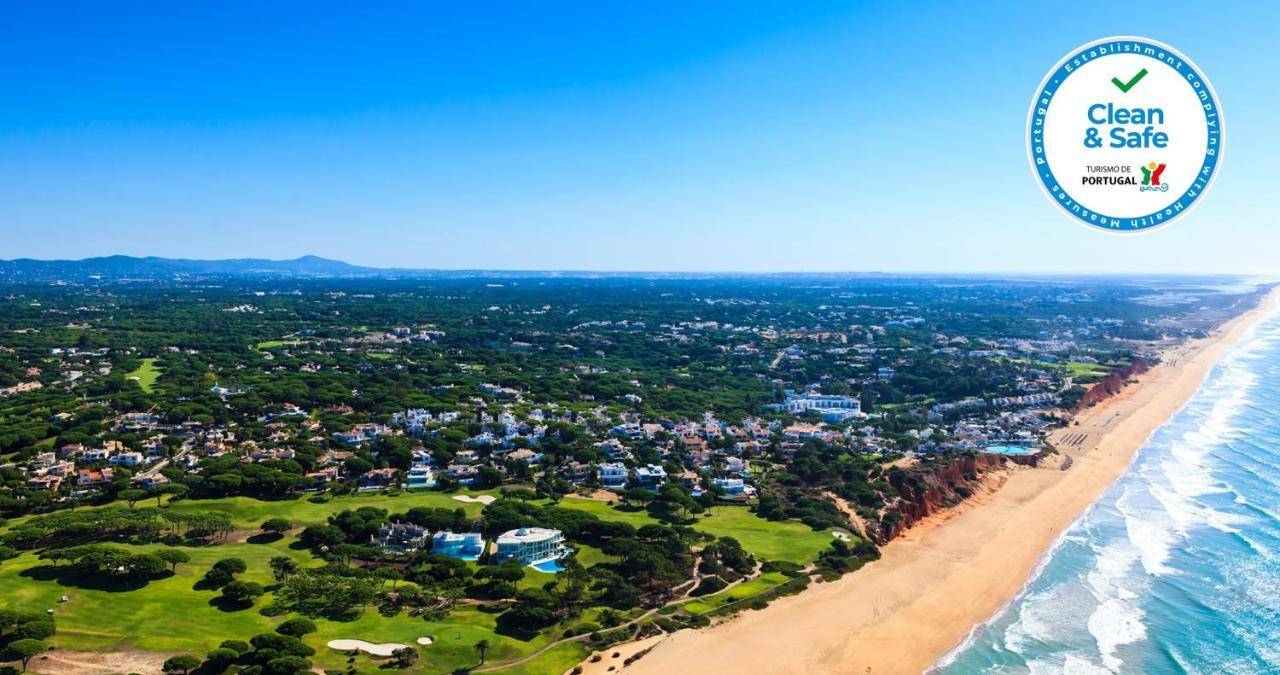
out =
column 955, row 570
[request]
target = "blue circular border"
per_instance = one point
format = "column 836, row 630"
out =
column 1051, row 185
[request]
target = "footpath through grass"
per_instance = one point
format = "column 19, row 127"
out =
column 742, row 591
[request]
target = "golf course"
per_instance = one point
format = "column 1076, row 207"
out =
column 174, row 615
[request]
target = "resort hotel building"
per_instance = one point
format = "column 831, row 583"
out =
column 833, row 408
column 530, row 545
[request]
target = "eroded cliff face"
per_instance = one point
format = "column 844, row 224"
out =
column 1112, row 383
column 926, row 490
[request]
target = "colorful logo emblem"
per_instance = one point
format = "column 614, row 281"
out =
column 1123, row 113
column 1151, row 177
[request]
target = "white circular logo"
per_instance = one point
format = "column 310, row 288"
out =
column 1125, row 134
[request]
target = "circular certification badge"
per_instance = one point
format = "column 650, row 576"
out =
column 1125, row 134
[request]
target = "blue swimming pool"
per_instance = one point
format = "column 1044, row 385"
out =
column 1010, row 450
column 548, row 566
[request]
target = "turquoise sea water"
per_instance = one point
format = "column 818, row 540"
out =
column 1176, row 569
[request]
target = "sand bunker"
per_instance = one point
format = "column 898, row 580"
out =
column 842, row 536
column 482, row 499
column 424, row 641
column 383, row 649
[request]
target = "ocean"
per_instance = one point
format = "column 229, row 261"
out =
column 1176, row 568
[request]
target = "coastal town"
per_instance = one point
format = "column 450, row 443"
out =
column 817, row 338
column 495, row 434
column 549, row 467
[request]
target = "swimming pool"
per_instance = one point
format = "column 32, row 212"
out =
column 1010, row 450
column 548, row 566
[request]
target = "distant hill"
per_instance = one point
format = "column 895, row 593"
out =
column 126, row 268
column 123, row 268
column 151, row 267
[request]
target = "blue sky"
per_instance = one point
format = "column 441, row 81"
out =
column 611, row 136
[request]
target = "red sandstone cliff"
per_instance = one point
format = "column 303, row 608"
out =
column 1112, row 383
column 926, row 490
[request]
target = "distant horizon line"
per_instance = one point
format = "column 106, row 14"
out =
column 635, row 272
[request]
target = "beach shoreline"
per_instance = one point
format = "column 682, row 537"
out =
column 952, row 572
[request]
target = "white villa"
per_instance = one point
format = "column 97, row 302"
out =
column 530, row 545
column 401, row 537
column 651, row 476
column 613, row 475
column 464, row 546
column 734, row 488
column 833, row 408
column 420, row 476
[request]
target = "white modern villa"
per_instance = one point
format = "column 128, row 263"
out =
column 530, row 545
column 833, row 408
column 463, row 546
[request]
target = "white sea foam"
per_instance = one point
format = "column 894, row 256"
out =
column 1072, row 533
column 1185, row 472
column 1188, row 481
column 1113, row 563
column 1114, row 623
column 1070, row 664
column 1165, row 506
column 1035, row 618
column 1075, row 665
column 1271, row 514
column 1186, row 513
column 1149, row 532
column 1116, row 619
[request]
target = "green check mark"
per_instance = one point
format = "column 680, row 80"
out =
column 1124, row 87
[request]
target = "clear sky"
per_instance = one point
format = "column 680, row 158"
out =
column 612, row 136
